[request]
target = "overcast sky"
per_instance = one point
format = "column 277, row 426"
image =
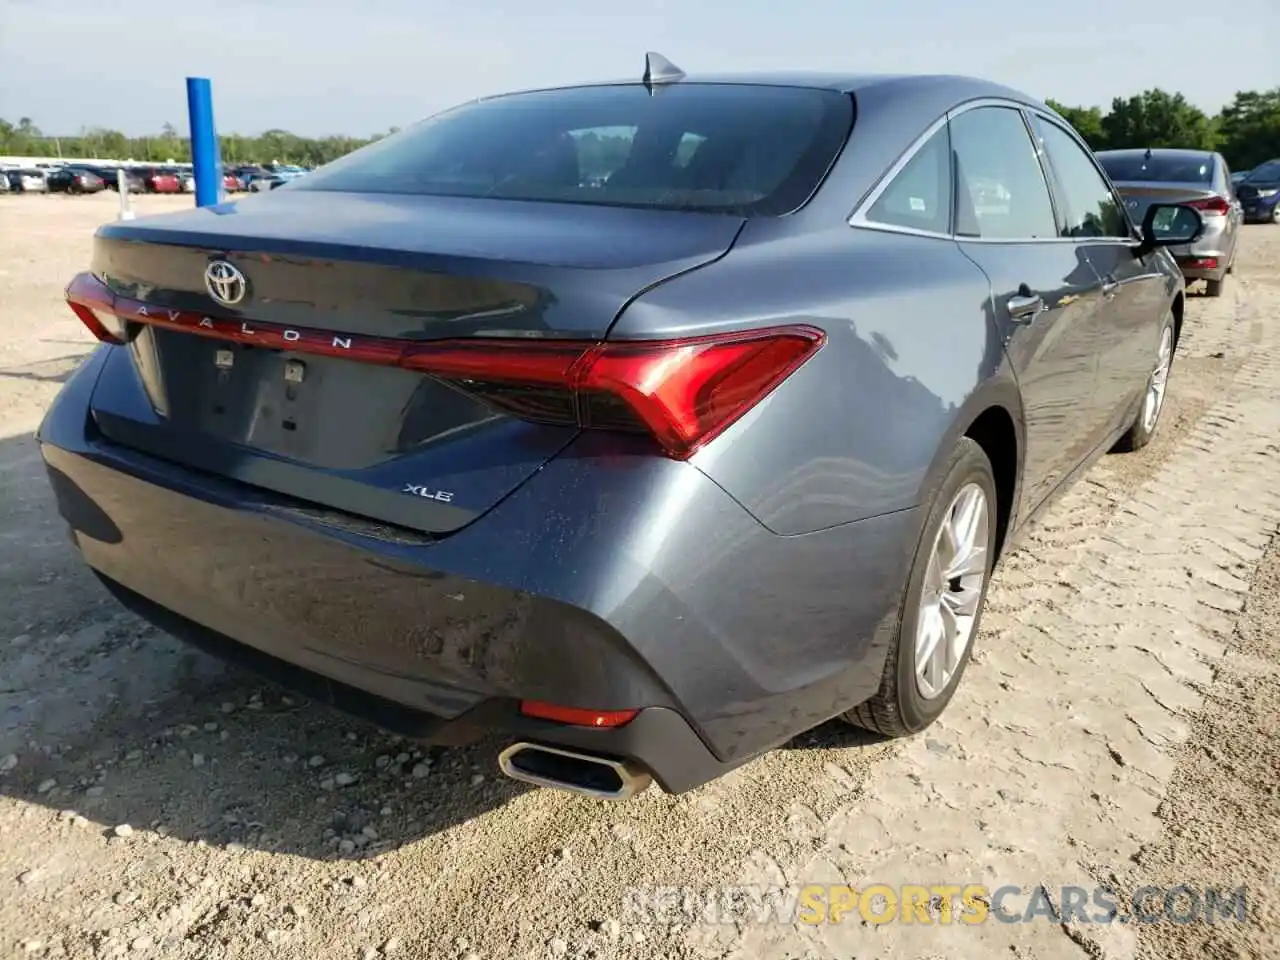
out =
column 360, row 66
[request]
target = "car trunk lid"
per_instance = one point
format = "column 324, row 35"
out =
column 285, row 390
column 1141, row 194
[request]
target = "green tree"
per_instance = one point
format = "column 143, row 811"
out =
column 1156, row 118
column 1249, row 129
column 1086, row 120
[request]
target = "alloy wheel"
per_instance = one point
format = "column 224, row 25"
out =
column 952, row 591
column 1154, row 401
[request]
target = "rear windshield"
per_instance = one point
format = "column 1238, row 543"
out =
column 1161, row 168
column 750, row 150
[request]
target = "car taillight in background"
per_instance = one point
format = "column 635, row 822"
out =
column 682, row 392
column 1213, row 206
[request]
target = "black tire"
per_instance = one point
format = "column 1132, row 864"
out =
column 1213, row 288
column 1275, row 214
column 898, row 708
column 1139, row 434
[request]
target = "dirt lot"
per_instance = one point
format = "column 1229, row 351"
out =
column 1118, row 728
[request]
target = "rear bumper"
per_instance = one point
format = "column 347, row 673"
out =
column 1209, row 257
column 1194, row 270
column 648, row 588
column 659, row 738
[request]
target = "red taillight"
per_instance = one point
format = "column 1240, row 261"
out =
column 1214, row 206
column 94, row 303
column 687, row 391
column 575, row 715
column 683, row 392
column 1200, row 263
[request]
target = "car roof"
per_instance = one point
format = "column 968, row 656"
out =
column 962, row 88
column 1179, row 152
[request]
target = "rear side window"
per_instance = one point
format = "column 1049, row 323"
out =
column 1158, row 168
column 1093, row 209
column 1001, row 192
column 743, row 149
column 919, row 197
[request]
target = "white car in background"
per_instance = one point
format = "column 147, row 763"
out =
column 28, row 180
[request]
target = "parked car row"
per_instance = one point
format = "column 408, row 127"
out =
column 140, row 178
column 256, row 179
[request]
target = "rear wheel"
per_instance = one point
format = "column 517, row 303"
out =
column 1275, row 214
column 944, row 599
column 1213, row 288
column 1148, row 420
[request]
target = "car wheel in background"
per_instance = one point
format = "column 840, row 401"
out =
column 942, row 608
column 1213, row 288
column 1275, row 214
column 1148, row 419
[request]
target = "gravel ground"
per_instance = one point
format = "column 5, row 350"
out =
column 1119, row 726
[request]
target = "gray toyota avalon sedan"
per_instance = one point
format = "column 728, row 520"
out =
column 647, row 423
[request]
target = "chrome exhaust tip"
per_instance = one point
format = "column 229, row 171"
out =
column 597, row 777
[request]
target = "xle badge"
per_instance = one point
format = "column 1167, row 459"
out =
column 294, row 371
column 419, row 490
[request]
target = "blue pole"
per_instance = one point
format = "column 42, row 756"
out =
column 204, row 142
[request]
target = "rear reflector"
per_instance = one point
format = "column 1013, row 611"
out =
column 576, row 716
column 1200, row 263
column 1214, row 206
column 683, row 392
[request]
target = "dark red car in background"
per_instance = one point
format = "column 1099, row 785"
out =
column 159, row 179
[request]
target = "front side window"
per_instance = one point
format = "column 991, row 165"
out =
column 751, row 150
column 1092, row 209
column 919, row 197
column 1001, row 193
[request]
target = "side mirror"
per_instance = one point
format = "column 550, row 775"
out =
column 1171, row 225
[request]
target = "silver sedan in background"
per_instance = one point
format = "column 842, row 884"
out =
column 1198, row 178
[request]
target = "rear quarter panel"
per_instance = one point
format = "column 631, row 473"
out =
column 911, row 357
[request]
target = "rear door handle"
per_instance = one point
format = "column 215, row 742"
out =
column 1025, row 307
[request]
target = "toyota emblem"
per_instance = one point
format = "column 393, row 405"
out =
column 225, row 283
